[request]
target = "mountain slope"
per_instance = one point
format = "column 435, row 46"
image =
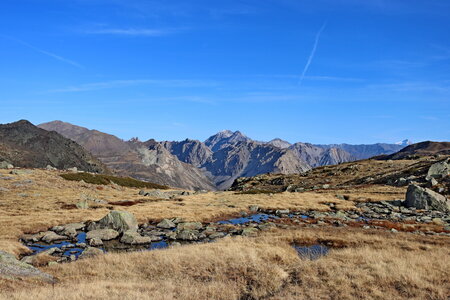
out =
column 421, row 149
column 365, row 151
column 245, row 159
column 189, row 151
column 316, row 156
column 144, row 161
column 25, row 145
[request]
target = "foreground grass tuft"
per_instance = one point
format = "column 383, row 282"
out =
column 108, row 179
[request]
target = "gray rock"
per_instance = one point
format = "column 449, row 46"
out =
column 439, row 170
column 6, row 165
column 91, row 252
column 254, row 208
column 133, row 238
column 83, row 204
column 187, row 235
column 102, row 234
column 120, row 221
column 217, row 235
column 282, row 212
column 50, row 168
column 95, row 242
column 423, row 198
column 166, row 224
column 51, row 236
column 74, row 170
column 12, row 268
column 189, row 226
column 250, row 231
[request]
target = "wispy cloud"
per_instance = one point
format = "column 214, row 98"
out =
column 134, row 82
column 47, row 53
column 313, row 52
column 149, row 32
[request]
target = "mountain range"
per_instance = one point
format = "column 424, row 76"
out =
column 214, row 163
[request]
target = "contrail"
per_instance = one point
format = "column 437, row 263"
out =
column 311, row 56
column 57, row 57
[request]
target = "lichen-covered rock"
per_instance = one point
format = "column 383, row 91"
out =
column 439, row 170
column 12, row 268
column 187, row 235
column 51, row 236
column 90, row 252
column 166, row 224
column 133, row 238
column 423, row 198
column 120, row 221
column 102, row 234
column 189, row 226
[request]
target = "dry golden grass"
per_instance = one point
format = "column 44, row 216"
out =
column 368, row 265
column 365, row 264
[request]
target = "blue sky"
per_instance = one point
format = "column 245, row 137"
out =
column 323, row 71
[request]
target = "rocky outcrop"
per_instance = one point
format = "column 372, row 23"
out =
column 189, row 151
column 25, row 145
column 279, row 143
column 439, row 170
column 119, row 221
column 423, row 198
column 10, row 267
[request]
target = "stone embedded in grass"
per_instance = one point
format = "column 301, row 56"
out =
column 102, row 234
column 90, row 252
column 12, row 268
column 83, row 204
column 133, row 238
column 250, row 231
column 95, row 242
column 6, row 165
column 120, row 221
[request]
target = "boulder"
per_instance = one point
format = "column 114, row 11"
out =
column 166, row 224
column 102, row 234
column 133, row 238
column 423, row 198
column 50, row 168
column 250, row 231
column 189, row 226
column 120, row 221
column 51, row 236
column 439, row 170
column 187, row 235
column 6, row 165
column 95, row 242
column 74, row 169
column 12, row 268
column 90, row 252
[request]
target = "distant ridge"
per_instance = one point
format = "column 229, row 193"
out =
column 421, row 149
column 25, row 145
column 214, row 163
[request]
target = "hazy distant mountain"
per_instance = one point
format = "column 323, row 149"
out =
column 147, row 161
column 279, row 143
column 243, row 159
column 25, row 145
column 316, row 156
column 365, row 151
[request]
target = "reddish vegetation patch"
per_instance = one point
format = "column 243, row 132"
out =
column 126, row 202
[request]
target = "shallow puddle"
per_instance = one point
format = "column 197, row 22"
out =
column 311, row 252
